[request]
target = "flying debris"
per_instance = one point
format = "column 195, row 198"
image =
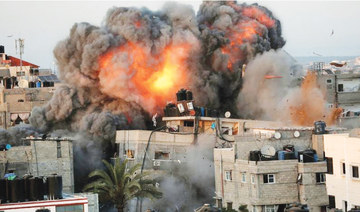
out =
column 332, row 33
column 317, row 54
column 9, row 36
column 272, row 77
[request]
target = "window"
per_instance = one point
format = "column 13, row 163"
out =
column 269, row 178
column 345, row 206
column 253, row 179
column 70, row 208
column 188, row 123
column 355, row 171
column 269, row 208
column 329, row 163
column 343, row 168
column 243, row 177
column 320, row 177
column 229, row 205
column 58, row 149
column 162, row 155
column 340, row 88
column 130, row 153
column 328, row 81
column 228, row 175
column 331, row 201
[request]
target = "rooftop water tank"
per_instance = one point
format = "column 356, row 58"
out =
column 3, row 195
column 189, row 95
column 16, row 190
column 181, row 95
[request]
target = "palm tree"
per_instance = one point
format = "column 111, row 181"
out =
column 118, row 184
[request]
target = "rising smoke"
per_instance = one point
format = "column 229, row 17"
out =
column 118, row 75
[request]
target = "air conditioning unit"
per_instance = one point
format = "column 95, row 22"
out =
column 156, row 163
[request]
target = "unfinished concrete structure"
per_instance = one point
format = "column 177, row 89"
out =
column 268, row 183
column 342, row 180
column 41, row 157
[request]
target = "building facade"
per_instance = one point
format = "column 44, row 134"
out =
column 270, row 182
column 343, row 181
column 39, row 157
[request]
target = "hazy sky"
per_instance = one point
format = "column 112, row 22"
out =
column 306, row 25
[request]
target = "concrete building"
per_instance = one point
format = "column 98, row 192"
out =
column 40, row 157
column 342, row 88
column 23, row 86
column 342, row 180
column 270, row 182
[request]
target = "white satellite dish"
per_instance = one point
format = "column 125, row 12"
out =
column 296, row 134
column 277, row 135
column 23, row 83
column 268, row 151
column 227, row 114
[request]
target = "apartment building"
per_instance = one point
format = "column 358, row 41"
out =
column 268, row 169
column 343, row 178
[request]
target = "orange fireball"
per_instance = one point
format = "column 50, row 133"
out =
column 131, row 72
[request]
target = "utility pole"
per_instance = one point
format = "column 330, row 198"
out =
column 20, row 42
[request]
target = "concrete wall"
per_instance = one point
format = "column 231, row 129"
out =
column 286, row 189
column 40, row 158
column 343, row 149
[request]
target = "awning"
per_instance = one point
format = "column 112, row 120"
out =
column 49, row 78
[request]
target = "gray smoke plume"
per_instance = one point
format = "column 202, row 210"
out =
column 98, row 66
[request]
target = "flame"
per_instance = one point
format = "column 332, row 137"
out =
column 310, row 106
column 132, row 73
column 259, row 15
column 244, row 32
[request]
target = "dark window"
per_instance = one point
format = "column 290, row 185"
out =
column 343, row 168
column 229, row 205
column 188, row 123
column 329, row 163
column 355, row 171
column 269, row 178
column 320, row 177
column 328, row 81
column 340, row 88
column 331, row 201
column 162, row 155
column 58, row 148
column 345, row 203
column 20, row 100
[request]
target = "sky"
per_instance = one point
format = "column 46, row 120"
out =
column 307, row 25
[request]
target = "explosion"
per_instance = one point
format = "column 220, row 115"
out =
column 153, row 78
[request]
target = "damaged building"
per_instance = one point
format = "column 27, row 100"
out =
column 341, row 83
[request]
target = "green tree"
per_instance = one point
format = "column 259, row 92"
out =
column 118, row 185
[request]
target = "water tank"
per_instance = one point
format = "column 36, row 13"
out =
column 306, row 156
column 281, row 155
column 181, row 95
column 16, row 190
column 254, row 155
column 319, row 127
column 3, row 195
column 36, row 188
column 54, row 183
column 189, row 95
column 38, row 84
column 289, row 155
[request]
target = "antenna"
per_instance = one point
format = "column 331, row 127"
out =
column 21, row 49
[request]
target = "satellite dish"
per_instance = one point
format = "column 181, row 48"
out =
column 277, row 135
column 296, row 134
column 268, row 151
column 23, row 83
column 227, row 114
